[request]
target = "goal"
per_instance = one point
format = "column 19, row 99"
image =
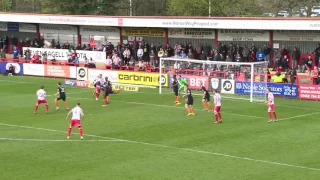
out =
column 236, row 80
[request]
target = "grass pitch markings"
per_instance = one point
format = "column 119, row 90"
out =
column 181, row 149
column 59, row 140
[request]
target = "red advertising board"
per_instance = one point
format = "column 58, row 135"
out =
column 82, row 83
column 196, row 82
column 309, row 92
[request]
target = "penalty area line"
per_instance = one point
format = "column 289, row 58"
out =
column 61, row 140
column 183, row 149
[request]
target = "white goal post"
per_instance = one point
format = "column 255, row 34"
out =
column 236, row 80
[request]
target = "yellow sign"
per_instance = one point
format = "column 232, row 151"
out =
column 125, row 88
column 149, row 32
column 148, row 79
column 90, row 85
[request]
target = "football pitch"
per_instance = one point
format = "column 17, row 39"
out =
column 144, row 136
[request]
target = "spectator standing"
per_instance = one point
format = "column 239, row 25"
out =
column 145, row 55
column 15, row 53
column 284, row 51
column 317, row 55
column 13, row 43
column 253, row 48
column 169, row 50
column 260, row 55
column 2, row 54
column 160, row 53
column 126, row 56
column 116, row 61
column 245, row 53
column 76, row 61
column 177, row 49
column 92, row 44
column 295, row 57
column 285, row 63
column 152, row 56
column 183, row 55
column 140, row 53
column 108, row 62
column 232, row 51
column 267, row 51
column 36, row 58
column 92, row 63
column 20, row 46
column 190, row 54
column 206, row 49
column 153, row 47
column 203, row 56
column 5, row 43
column 252, row 56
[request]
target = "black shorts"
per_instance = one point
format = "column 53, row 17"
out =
column 207, row 99
column 190, row 101
column 63, row 98
column 176, row 92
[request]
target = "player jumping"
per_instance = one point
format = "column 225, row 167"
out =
column 41, row 94
column 98, row 79
column 270, row 103
column 206, row 99
column 217, row 106
column 77, row 113
column 107, row 87
column 175, row 86
column 189, row 100
column 62, row 96
column 97, row 89
column 182, row 83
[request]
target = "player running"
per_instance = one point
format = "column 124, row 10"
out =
column 189, row 102
column 107, row 88
column 206, row 100
column 62, row 96
column 98, row 89
column 270, row 103
column 175, row 87
column 217, row 106
column 41, row 94
column 77, row 113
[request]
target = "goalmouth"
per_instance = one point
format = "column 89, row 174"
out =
column 236, row 80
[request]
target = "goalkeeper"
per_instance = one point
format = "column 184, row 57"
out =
column 182, row 83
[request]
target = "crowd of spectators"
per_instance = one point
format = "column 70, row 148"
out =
column 144, row 55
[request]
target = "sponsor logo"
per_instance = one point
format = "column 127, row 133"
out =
column 82, row 83
column 16, row 66
column 196, row 82
column 162, row 80
column 69, row 82
column 125, row 88
column 149, row 79
column 82, row 73
column 215, row 83
column 227, row 85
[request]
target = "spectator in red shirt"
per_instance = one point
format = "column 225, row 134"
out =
column 278, row 70
column 253, row 56
column 36, row 58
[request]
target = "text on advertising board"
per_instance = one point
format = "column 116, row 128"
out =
column 148, row 79
column 309, row 92
column 150, row 32
column 196, row 82
column 192, row 33
column 56, row 71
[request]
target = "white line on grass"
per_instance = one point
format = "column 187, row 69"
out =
column 303, row 115
column 226, row 99
column 60, row 140
column 182, row 149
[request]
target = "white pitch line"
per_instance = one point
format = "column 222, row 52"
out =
column 60, row 140
column 303, row 115
column 182, row 149
column 226, row 99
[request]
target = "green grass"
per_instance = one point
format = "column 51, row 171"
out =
column 158, row 141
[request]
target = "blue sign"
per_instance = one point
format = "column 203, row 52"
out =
column 12, row 26
column 278, row 89
column 69, row 82
column 18, row 67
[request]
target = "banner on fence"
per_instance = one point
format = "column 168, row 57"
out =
column 94, row 73
column 56, row 71
column 227, row 86
column 18, row 67
column 309, row 92
column 62, row 54
column 33, row 69
column 68, row 82
column 82, row 73
column 196, row 82
column 278, row 89
column 148, row 79
column 124, row 87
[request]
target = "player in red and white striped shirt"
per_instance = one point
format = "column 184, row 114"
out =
column 101, row 81
column 270, row 103
column 217, row 106
column 41, row 94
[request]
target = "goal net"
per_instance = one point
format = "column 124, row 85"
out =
column 236, row 80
